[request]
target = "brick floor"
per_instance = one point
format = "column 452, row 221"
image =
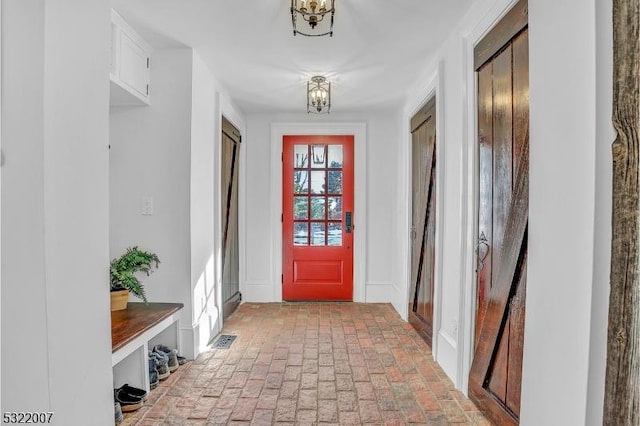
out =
column 311, row 363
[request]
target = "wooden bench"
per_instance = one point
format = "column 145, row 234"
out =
column 133, row 332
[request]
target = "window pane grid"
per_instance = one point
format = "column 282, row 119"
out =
column 317, row 214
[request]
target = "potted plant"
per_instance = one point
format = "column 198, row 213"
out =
column 123, row 276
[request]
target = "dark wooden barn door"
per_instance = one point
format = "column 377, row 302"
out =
column 229, row 202
column 423, row 149
column 503, row 134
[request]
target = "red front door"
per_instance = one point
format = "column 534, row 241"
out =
column 317, row 217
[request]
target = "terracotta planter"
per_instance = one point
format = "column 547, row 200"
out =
column 119, row 299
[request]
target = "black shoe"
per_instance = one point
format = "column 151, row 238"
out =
column 127, row 402
column 133, row 391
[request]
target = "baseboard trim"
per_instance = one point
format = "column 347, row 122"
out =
column 258, row 292
column 447, row 354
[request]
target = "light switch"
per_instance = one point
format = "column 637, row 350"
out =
column 147, row 205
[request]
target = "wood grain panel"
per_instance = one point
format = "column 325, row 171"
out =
column 520, row 94
column 425, row 175
column 622, row 392
column 502, row 187
column 499, row 299
column 504, row 320
column 430, row 249
column 426, row 112
column 229, row 205
column 501, row 34
column 485, row 192
column 425, row 270
column 517, row 304
column 416, row 211
column 516, row 342
column 502, row 147
column 226, row 163
column 127, row 324
column 498, row 374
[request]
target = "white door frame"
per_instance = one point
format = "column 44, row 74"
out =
column 359, row 132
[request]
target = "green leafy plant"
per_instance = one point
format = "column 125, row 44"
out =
column 123, row 271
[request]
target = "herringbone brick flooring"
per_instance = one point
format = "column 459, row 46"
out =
column 311, row 363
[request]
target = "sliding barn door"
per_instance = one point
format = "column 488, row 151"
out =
column 503, row 134
column 229, row 202
column 423, row 227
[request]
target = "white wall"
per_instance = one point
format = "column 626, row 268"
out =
column 203, row 183
column 446, row 76
column 209, row 103
column 444, row 79
column 150, row 156
column 23, row 207
column 55, row 211
column 170, row 151
column 561, row 240
column 382, row 130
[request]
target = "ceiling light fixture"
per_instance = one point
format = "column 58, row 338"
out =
column 313, row 11
column 318, row 95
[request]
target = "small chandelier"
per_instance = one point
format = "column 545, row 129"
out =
column 314, row 15
column 318, row 95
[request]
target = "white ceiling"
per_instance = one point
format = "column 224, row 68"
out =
column 378, row 51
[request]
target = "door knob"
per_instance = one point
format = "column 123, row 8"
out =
column 348, row 224
column 482, row 242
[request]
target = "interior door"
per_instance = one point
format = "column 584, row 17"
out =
column 503, row 193
column 229, row 201
column 318, row 218
column 423, row 149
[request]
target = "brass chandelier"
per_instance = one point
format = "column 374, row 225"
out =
column 313, row 12
column 318, row 95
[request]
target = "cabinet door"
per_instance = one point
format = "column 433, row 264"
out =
column 134, row 65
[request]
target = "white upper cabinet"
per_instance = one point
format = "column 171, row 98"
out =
column 130, row 64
